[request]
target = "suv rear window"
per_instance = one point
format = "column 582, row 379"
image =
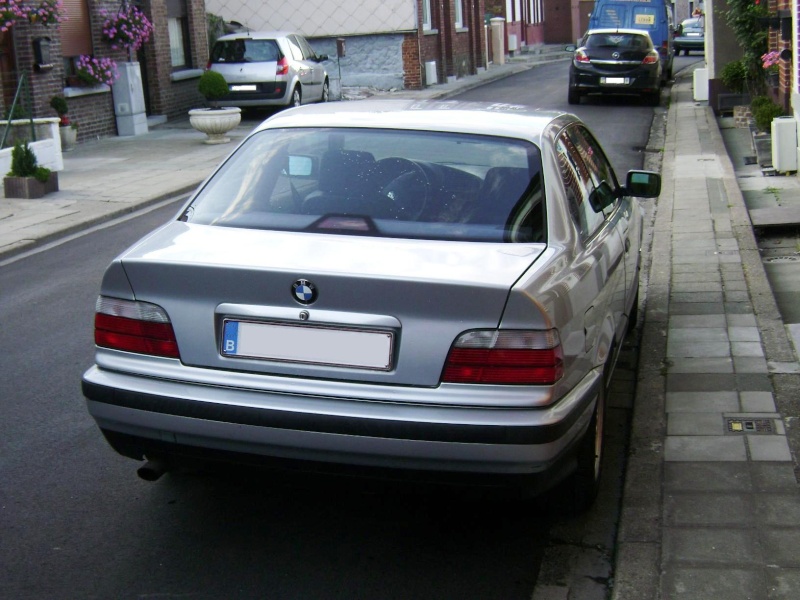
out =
column 412, row 184
column 245, row 51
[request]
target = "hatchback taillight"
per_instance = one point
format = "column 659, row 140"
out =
column 651, row 58
column 518, row 357
column 581, row 57
column 282, row 67
column 138, row 327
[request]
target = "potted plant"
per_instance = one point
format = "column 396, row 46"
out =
column 67, row 128
column 27, row 179
column 214, row 121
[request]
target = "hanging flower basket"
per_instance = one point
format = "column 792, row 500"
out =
column 48, row 12
column 127, row 29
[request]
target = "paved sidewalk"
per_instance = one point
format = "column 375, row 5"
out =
column 711, row 507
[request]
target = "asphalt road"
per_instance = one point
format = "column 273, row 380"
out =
column 76, row 522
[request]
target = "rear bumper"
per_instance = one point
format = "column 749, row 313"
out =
column 155, row 416
column 632, row 83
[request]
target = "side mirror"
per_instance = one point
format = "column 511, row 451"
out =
column 570, row 48
column 644, row 184
column 321, row 57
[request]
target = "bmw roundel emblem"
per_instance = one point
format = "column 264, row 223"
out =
column 304, row 291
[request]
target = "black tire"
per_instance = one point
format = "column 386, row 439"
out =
column 686, row 52
column 326, row 92
column 573, row 97
column 296, row 99
column 584, row 483
column 653, row 99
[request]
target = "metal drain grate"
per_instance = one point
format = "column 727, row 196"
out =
column 738, row 425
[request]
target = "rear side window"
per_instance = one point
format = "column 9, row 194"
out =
column 411, row 184
column 245, row 51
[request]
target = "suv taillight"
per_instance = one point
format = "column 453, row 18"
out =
column 283, row 66
column 138, row 327
column 517, row 357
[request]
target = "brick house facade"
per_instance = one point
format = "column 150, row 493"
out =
column 168, row 91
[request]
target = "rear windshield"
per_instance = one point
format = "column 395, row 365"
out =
column 377, row 182
column 245, row 51
column 619, row 41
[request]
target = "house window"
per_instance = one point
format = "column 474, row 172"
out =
column 427, row 22
column 459, row 13
column 178, row 29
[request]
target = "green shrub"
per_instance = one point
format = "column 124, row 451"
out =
column 212, row 85
column 24, row 163
column 59, row 104
column 734, row 76
column 764, row 112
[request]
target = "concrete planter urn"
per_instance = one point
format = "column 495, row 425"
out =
column 29, row 187
column 215, row 122
column 69, row 137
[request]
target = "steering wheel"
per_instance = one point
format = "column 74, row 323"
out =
column 405, row 183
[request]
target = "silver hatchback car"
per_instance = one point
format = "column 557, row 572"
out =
column 269, row 68
column 437, row 288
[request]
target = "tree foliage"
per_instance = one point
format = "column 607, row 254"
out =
column 746, row 20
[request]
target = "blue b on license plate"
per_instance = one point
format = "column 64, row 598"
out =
column 362, row 349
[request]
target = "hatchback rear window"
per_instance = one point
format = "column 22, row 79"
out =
column 621, row 41
column 378, row 182
column 245, row 51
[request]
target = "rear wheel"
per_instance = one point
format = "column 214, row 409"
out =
column 585, row 482
column 326, row 92
column 296, row 97
column 573, row 97
column 686, row 52
column 653, row 99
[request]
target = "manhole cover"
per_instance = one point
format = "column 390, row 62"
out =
column 772, row 259
column 738, row 425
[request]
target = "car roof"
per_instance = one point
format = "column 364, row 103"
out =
column 481, row 118
column 256, row 35
column 607, row 30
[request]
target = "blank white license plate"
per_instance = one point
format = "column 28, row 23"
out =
column 614, row 80
column 243, row 88
column 363, row 349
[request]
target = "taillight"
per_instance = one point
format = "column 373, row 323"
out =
column 505, row 357
column 581, row 57
column 138, row 327
column 651, row 58
column 282, row 67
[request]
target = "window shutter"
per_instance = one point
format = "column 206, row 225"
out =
column 76, row 34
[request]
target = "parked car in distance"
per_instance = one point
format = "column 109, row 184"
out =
column 615, row 61
column 690, row 36
column 269, row 68
column 393, row 286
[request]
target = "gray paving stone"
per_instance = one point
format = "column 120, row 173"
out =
column 712, row 477
column 695, row 297
column 694, row 423
column 750, row 364
column 705, row 448
column 747, row 349
column 779, row 546
column 736, row 296
column 743, row 334
column 737, row 285
column 757, row 402
column 697, row 334
column 741, row 320
column 738, row 307
column 698, row 349
column 714, row 277
column 783, row 584
column 696, row 308
column 679, row 287
column 711, row 545
column 692, row 321
column 778, row 509
column 692, row 583
column 701, row 382
column 768, row 448
column 777, row 476
column 700, row 365
column 701, row 402
column 707, row 509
